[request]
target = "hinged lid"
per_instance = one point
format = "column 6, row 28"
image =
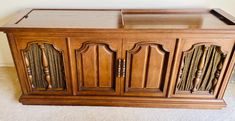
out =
column 191, row 19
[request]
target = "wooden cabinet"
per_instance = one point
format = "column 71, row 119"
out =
column 143, row 58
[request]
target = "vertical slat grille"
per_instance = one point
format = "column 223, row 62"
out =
column 54, row 67
column 198, row 68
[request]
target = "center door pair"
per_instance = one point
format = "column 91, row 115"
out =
column 126, row 67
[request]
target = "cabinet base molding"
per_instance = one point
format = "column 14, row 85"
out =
column 123, row 102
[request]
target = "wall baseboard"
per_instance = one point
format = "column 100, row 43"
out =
column 7, row 65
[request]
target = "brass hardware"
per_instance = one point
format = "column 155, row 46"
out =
column 119, row 68
column 124, row 68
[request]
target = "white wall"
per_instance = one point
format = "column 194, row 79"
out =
column 9, row 7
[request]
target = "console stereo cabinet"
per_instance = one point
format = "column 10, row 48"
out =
column 141, row 58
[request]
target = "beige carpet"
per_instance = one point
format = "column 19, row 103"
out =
column 12, row 110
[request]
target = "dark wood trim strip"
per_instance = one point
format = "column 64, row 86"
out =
column 18, row 16
column 24, row 17
column 223, row 16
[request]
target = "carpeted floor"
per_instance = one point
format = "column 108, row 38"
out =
column 12, row 110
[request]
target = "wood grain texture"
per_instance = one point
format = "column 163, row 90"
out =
column 105, row 54
column 96, row 63
column 146, row 64
column 123, row 101
column 191, row 18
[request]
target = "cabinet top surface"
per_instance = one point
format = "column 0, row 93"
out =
column 122, row 19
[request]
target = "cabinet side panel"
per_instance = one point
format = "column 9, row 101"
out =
column 18, row 63
column 229, row 70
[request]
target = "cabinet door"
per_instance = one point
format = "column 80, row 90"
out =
column 147, row 66
column 200, row 66
column 45, row 65
column 94, row 65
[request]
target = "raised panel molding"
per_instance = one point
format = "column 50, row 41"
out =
column 146, row 65
column 200, row 69
column 96, row 67
column 44, row 66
